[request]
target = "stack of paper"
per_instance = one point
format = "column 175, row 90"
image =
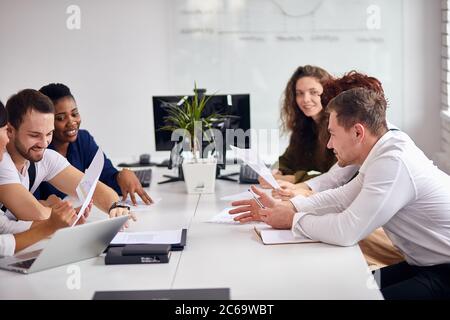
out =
column 226, row 218
column 164, row 237
column 141, row 205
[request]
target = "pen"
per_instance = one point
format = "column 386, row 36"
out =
column 256, row 199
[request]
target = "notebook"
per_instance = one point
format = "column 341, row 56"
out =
column 268, row 235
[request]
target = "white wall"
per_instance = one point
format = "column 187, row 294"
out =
column 112, row 72
column 114, row 65
column 422, row 73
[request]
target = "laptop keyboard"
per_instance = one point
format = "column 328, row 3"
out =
column 144, row 176
column 26, row 264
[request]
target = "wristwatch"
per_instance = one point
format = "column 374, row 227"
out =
column 119, row 204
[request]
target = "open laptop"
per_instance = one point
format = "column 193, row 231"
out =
column 67, row 245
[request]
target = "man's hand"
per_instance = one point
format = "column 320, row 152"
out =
column 289, row 190
column 129, row 184
column 285, row 192
column 51, row 201
column 278, row 217
column 249, row 209
column 86, row 213
column 62, row 215
column 117, row 212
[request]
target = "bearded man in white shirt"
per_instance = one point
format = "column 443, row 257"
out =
column 17, row 235
column 397, row 188
column 30, row 131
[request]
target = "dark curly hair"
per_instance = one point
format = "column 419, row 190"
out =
column 304, row 130
column 56, row 91
column 350, row 80
column 292, row 117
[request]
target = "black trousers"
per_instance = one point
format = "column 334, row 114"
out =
column 405, row 282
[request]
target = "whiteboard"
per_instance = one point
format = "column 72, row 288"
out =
column 253, row 46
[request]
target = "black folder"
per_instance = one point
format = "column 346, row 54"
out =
column 173, row 294
column 138, row 254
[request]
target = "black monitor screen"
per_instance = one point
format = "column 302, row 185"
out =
column 235, row 105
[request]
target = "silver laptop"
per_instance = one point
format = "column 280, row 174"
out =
column 67, row 245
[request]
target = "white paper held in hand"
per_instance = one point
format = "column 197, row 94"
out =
column 253, row 161
column 91, row 174
column 86, row 187
column 86, row 201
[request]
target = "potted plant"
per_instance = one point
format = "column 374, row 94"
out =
column 186, row 120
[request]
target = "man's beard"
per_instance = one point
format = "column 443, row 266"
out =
column 27, row 153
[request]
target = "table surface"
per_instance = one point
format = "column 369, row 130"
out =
column 216, row 255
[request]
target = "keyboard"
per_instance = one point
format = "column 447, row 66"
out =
column 144, row 176
column 26, row 264
column 247, row 175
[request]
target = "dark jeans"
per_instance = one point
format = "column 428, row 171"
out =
column 403, row 281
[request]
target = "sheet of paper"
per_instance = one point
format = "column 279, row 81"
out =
column 246, row 195
column 269, row 235
column 90, row 175
column 163, row 236
column 250, row 158
column 238, row 196
column 141, row 206
column 87, row 199
column 225, row 218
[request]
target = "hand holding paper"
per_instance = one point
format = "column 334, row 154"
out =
column 86, row 202
column 86, row 187
column 91, row 174
column 251, row 158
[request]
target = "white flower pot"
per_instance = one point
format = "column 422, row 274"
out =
column 200, row 177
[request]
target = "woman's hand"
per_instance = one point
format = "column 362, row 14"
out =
column 129, row 184
column 264, row 184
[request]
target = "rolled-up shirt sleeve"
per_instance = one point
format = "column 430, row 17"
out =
column 334, row 217
column 7, row 229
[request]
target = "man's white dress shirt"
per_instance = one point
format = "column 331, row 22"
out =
column 398, row 188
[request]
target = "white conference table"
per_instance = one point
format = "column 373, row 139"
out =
column 216, row 255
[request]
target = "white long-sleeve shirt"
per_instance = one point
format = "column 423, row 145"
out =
column 333, row 178
column 7, row 229
column 337, row 176
column 398, row 188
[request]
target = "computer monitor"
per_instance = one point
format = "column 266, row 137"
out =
column 237, row 106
